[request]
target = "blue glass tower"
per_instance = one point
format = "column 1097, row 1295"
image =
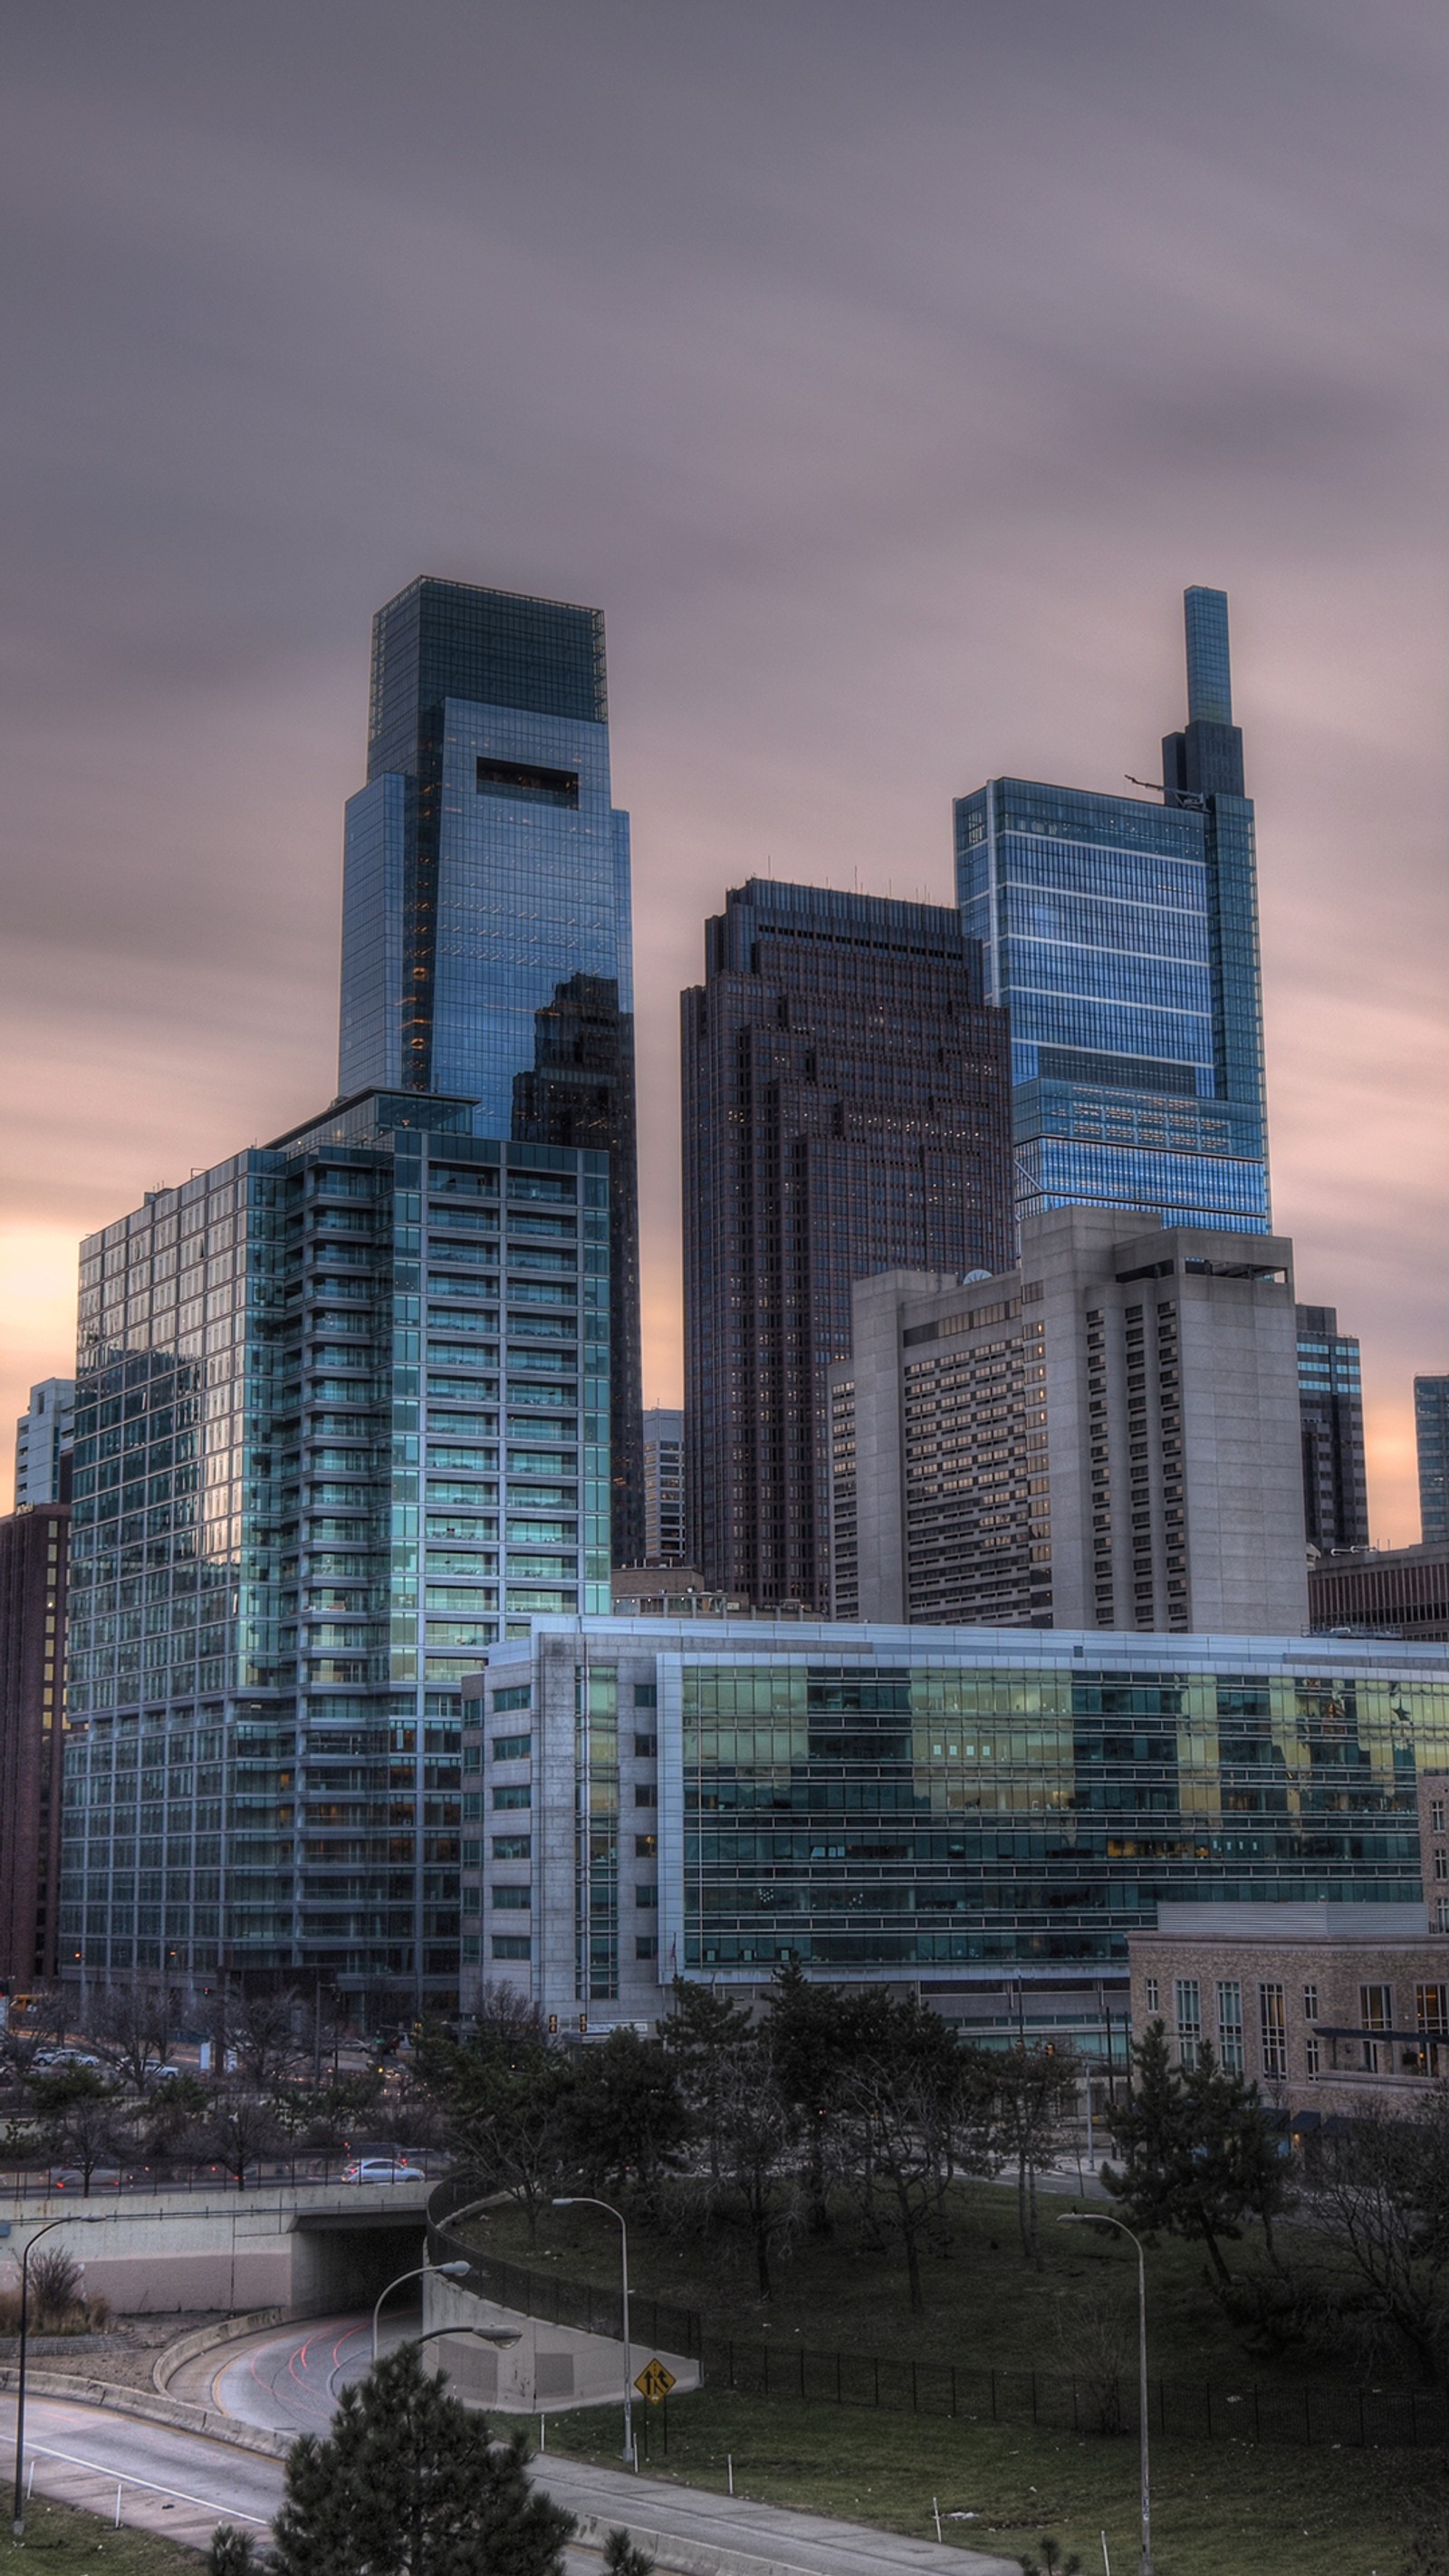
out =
column 486, row 950
column 1123, row 939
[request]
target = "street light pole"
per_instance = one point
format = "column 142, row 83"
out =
column 584, row 2200
column 1099, row 2218
column 446, row 2271
column 97, row 2219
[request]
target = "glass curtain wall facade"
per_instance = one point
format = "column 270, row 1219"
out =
column 846, row 1110
column 486, row 942
column 1330, row 1395
column 1431, row 1433
column 651, row 1798
column 341, row 1423
column 1123, row 939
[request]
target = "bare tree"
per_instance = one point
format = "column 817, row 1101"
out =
column 132, row 2023
column 908, row 2119
column 1379, row 2194
column 1097, row 2348
column 80, row 2120
column 26, row 2034
column 759, row 2149
column 238, row 2130
column 266, row 2040
column 1035, row 2099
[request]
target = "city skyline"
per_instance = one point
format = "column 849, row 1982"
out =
column 878, row 502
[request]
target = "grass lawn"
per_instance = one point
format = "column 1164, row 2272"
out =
column 60, row 2541
column 1219, row 2509
column 984, row 2304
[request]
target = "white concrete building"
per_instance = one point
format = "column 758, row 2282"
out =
column 1106, row 1437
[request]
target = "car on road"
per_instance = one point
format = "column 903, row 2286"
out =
column 71, row 2178
column 382, row 2169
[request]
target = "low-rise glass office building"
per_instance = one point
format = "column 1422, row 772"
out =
column 954, row 1809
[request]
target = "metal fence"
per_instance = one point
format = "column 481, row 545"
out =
column 29, row 2182
column 1344, row 2413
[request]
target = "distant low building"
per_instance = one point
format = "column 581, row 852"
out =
column 664, row 1538
column 1324, row 2006
column 1382, row 1592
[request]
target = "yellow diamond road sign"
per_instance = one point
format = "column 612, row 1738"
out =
column 654, row 2381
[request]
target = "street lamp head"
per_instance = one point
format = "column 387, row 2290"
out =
column 452, row 2271
column 564, row 2204
column 495, row 2334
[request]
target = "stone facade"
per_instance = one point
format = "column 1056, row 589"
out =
column 1324, row 2006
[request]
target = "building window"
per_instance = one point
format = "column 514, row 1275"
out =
column 1310, row 2003
column 1230, row 2026
column 512, row 1900
column 1441, row 1914
column 1188, row 2000
column 1375, row 2013
column 511, row 1945
column 646, row 1945
column 1150, row 1990
column 1430, row 2014
column 512, row 1748
column 1313, row 2054
column 1436, row 1815
column 1274, row 2028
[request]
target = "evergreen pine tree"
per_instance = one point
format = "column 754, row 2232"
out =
column 232, row 2553
column 621, row 2557
column 410, row 2482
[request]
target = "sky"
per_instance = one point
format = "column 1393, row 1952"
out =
column 885, row 369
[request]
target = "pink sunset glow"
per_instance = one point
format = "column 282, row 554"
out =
column 885, row 376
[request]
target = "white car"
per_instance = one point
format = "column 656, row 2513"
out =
column 382, row 2169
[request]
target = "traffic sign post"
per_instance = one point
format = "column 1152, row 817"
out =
column 654, row 2382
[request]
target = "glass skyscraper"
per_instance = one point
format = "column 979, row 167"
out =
column 1330, row 1397
column 1431, row 1432
column 1123, row 938
column 341, row 1423
column 486, row 946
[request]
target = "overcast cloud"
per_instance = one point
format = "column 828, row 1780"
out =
column 884, row 371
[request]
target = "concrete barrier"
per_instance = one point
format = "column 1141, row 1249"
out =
column 119, row 2400
column 206, row 2338
column 549, row 2367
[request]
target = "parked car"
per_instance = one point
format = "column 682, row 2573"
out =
column 161, row 2074
column 382, row 2169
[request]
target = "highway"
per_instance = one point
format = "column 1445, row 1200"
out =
column 282, row 2379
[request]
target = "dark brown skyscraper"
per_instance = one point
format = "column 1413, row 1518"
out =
column 846, row 1110
column 33, row 1550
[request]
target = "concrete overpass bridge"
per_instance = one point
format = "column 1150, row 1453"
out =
column 304, row 2247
